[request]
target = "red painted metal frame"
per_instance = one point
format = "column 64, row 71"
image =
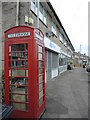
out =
column 33, row 88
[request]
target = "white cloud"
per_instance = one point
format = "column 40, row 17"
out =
column 74, row 17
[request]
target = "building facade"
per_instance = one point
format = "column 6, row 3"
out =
column 58, row 47
column 80, row 59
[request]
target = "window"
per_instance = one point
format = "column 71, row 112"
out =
column 42, row 12
column 65, row 43
column 40, row 77
column 61, row 37
column 18, row 76
column 54, row 28
column 62, row 60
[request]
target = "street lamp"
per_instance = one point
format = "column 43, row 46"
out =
column 80, row 55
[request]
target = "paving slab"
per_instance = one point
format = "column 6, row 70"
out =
column 67, row 95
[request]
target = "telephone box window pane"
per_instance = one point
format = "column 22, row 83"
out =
column 9, row 48
column 39, row 56
column 9, row 56
column 9, row 80
column 40, row 78
column 26, row 81
column 9, row 73
column 20, row 90
column 20, row 98
column 18, row 73
column 27, row 107
column 26, row 73
column 40, row 49
column 9, row 88
column 19, row 106
column 40, row 87
column 41, row 101
column 40, row 94
column 18, row 47
column 9, row 96
column 27, row 98
column 40, row 71
column 18, row 81
column 18, row 55
column 9, row 64
column 26, row 55
column 26, row 64
column 18, row 64
column 26, row 47
column 40, row 64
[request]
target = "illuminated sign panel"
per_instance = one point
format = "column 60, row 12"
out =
column 23, row 34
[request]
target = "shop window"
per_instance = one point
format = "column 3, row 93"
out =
column 62, row 60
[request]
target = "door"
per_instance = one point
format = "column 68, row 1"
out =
column 48, row 66
column 18, row 76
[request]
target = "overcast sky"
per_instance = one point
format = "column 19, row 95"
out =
column 73, row 15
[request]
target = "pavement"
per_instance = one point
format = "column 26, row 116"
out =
column 67, row 95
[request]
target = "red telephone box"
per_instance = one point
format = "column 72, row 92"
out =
column 25, row 71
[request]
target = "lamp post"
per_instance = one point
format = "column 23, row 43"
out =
column 80, row 55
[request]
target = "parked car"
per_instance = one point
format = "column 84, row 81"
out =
column 88, row 68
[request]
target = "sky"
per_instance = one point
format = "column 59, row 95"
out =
column 73, row 15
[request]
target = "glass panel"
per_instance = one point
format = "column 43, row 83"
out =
column 40, row 78
column 19, row 89
column 26, row 81
column 9, row 88
column 40, row 71
column 18, row 47
column 26, row 55
column 40, row 101
column 39, row 56
column 26, row 73
column 19, row 106
column 40, row 86
column 9, row 80
column 9, row 72
column 9, row 48
column 18, row 72
column 39, row 49
column 26, row 47
column 17, row 97
column 9, row 56
column 17, row 64
column 18, row 81
column 9, row 64
column 40, row 94
column 27, row 98
column 27, row 107
column 18, row 55
column 40, row 64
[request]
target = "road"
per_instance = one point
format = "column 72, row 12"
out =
column 67, row 95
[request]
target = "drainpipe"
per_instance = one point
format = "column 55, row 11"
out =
column 38, row 15
column 17, row 14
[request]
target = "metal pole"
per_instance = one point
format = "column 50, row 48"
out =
column 80, row 55
column 38, row 15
